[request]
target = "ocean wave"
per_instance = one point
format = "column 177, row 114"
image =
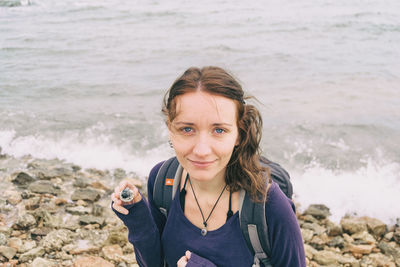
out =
column 89, row 150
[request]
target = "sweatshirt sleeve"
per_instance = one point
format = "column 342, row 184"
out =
column 197, row 261
column 145, row 228
column 287, row 247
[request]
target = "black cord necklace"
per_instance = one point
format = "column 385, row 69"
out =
column 204, row 230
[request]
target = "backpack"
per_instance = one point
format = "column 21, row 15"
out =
column 251, row 214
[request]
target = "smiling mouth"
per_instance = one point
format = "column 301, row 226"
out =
column 201, row 164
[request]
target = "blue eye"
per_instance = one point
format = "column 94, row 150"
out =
column 187, row 129
column 219, row 131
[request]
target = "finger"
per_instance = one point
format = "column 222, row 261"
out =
column 188, row 254
column 120, row 209
column 182, row 262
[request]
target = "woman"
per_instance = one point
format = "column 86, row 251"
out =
column 216, row 138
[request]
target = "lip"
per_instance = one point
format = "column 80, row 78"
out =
column 201, row 164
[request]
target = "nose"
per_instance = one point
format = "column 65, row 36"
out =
column 202, row 146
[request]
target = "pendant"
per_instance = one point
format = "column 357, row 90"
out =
column 204, row 231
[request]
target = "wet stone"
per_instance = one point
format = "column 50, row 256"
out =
column 25, row 221
column 8, row 252
column 89, row 219
column 85, row 194
column 318, row 211
column 43, row 187
column 3, row 239
column 78, row 210
column 23, row 179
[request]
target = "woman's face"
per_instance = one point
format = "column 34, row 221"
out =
column 204, row 133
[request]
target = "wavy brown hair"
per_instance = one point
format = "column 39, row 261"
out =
column 244, row 169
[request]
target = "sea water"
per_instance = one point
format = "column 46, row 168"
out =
column 84, row 81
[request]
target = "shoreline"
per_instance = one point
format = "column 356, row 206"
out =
column 55, row 213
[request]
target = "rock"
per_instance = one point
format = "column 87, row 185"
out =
column 113, row 252
column 318, row 211
column 361, row 249
column 310, row 251
column 319, row 241
column 81, row 246
column 81, row 182
column 380, row 260
column 86, row 194
column 99, row 185
column 337, row 241
column 325, row 257
column 3, row 239
column 78, row 210
column 92, row 261
column 363, row 238
column 32, row 203
column 389, row 250
column 25, row 221
column 117, row 235
column 97, row 210
column 353, row 225
column 5, row 230
column 333, row 229
column 316, row 228
column 48, row 219
column 40, row 232
column 306, row 234
column 56, row 239
column 8, row 252
column 27, row 245
column 43, row 187
column 90, row 219
column 389, row 236
column 14, row 197
column 31, row 254
column 40, row 262
column 23, row 179
column 396, row 235
column 376, row 227
column 16, row 243
column 60, row 201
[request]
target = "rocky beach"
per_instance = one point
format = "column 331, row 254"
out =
column 54, row 213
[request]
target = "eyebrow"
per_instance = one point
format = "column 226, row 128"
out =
column 214, row 124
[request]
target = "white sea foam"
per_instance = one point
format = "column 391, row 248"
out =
column 372, row 190
column 90, row 151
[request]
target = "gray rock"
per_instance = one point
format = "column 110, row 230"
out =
column 23, row 179
column 25, row 221
column 32, row 254
column 90, row 219
column 78, row 210
column 387, row 249
column 8, row 252
column 318, row 211
column 333, row 229
column 40, row 262
column 43, row 187
column 353, row 225
column 337, row 241
column 97, row 210
column 3, row 239
column 56, row 239
column 316, row 228
column 85, row 194
column 396, row 235
column 81, row 182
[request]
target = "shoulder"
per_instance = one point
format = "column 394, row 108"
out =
column 153, row 174
column 278, row 205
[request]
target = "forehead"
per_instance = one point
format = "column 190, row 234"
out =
column 202, row 106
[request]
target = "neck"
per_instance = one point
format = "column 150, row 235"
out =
column 210, row 187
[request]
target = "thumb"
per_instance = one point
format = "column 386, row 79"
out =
column 188, row 254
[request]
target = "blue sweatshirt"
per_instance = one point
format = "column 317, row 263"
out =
column 156, row 238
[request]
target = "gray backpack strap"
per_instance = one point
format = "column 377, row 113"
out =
column 255, row 229
column 165, row 184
